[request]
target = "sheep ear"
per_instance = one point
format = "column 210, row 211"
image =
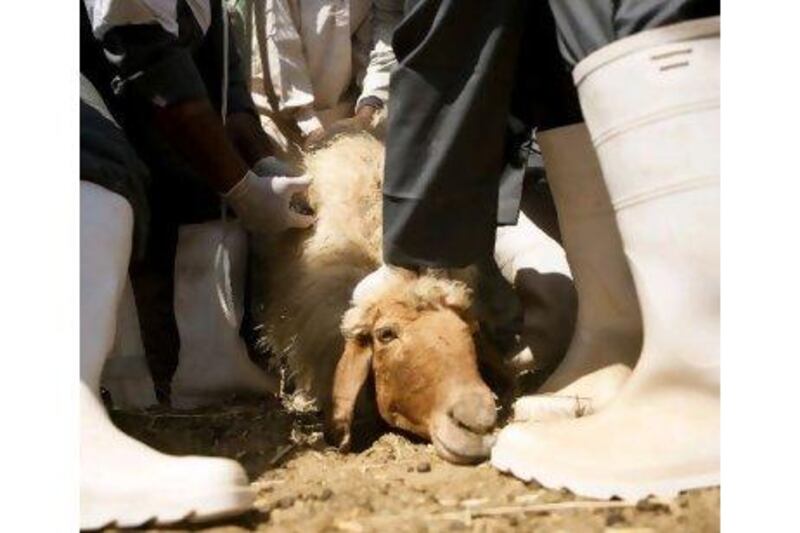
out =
column 352, row 372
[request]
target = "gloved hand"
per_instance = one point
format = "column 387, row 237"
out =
column 263, row 202
column 378, row 280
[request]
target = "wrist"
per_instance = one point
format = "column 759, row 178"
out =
column 307, row 120
column 240, row 188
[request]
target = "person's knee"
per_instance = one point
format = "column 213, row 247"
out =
column 99, row 204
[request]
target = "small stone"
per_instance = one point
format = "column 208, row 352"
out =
column 286, row 502
column 424, row 466
column 367, row 506
column 474, row 502
column 615, row 518
column 652, row 506
column 326, row 494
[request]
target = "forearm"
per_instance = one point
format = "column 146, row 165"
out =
column 194, row 129
column 248, row 137
column 386, row 15
column 153, row 66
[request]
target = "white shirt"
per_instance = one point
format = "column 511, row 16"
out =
column 325, row 56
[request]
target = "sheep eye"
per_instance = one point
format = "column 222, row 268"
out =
column 386, row 335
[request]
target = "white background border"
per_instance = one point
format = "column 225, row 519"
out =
column 760, row 267
column 39, row 266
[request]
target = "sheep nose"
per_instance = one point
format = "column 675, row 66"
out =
column 474, row 411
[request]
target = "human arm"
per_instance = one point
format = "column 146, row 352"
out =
column 154, row 69
column 373, row 61
column 380, row 58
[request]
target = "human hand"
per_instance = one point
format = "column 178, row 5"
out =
column 362, row 121
column 315, row 139
column 264, row 203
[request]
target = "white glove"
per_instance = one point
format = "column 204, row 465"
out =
column 378, row 280
column 262, row 203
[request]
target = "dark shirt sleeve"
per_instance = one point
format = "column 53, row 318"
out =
column 239, row 98
column 152, row 65
column 143, row 47
column 450, row 98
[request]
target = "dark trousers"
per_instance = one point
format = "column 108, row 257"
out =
column 153, row 283
column 108, row 159
column 586, row 26
column 465, row 67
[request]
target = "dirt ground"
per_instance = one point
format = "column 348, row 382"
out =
column 394, row 485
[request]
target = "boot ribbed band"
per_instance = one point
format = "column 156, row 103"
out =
column 682, row 31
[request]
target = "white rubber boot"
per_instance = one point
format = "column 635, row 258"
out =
column 126, row 375
column 651, row 102
column 213, row 364
column 536, row 267
column 608, row 333
column 123, row 481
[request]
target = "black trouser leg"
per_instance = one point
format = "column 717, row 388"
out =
column 153, row 281
column 446, row 131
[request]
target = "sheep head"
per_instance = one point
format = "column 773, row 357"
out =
column 416, row 338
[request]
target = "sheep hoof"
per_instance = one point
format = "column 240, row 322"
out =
column 338, row 434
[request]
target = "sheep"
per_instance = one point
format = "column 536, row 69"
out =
column 423, row 359
column 416, row 335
